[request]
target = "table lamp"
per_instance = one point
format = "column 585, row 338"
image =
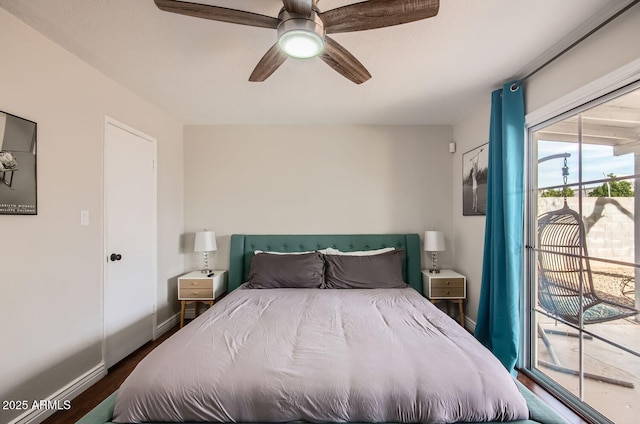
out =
column 205, row 242
column 434, row 242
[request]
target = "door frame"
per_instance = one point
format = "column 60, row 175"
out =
column 625, row 76
column 154, row 218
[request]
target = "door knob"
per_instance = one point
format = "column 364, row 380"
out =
column 115, row 256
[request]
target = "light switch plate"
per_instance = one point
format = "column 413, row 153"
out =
column 84, row 218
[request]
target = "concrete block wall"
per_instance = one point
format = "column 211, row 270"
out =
column 609, row 223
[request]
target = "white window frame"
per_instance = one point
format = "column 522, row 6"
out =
column 628, row 75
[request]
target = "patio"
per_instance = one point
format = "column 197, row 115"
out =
column 619, row 402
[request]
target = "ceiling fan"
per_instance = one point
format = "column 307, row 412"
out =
column 303, row 28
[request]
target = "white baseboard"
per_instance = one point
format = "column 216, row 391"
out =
column 67, row 393
column 469, row 324
column 167, row 325
column 80, row 384
column 190, row 312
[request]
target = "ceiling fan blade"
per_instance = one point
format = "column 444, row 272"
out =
column 343, row 62
column 268, row 64
column 300, row 7
column 377, row 14
column 217, row 13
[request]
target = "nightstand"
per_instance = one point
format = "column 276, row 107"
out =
column 198, row 287
column 446, row 285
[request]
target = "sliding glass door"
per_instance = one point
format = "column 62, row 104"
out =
column 583, row 256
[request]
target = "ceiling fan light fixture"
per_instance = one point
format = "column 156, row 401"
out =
column 301, row 37
column 301, row 44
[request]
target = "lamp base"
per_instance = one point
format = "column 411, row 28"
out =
column 206, row 269
column 434, row 263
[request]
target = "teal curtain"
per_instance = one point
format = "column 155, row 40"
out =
column 498, row 324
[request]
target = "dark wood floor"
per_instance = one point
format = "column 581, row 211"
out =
column 89, row 399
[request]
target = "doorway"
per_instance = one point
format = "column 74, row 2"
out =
column 584, row 261
column 130, row 240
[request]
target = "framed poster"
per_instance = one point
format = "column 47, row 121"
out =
column 18, row 192
column 475, row 166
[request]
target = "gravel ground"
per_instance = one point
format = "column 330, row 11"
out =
column 617, row 284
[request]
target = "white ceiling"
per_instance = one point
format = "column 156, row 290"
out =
column 428, row 72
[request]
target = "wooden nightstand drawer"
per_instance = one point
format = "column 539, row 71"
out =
column 196, row 283
column 196, row 287
column 447, row 283
column 454, row 292
column 446, row 286
column 196, row 293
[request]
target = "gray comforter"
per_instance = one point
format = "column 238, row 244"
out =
column 379, row 355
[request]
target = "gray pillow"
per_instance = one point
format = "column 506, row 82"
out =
column 383, row 271
column 286, row 271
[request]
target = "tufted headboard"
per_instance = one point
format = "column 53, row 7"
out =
column 243, row 246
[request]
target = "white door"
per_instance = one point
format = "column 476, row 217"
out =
column 130, row 240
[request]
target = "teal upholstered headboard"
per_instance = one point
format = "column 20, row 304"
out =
column 243, row 246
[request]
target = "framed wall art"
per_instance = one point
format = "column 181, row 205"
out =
column 475, row 167
column 18, row 182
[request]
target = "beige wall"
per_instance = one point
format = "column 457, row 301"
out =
column 609, row 49
column 468, row 233
column 51, row 268
column 251, row 179
column 320, row 179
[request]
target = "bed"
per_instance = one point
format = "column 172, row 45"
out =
column 293, row 346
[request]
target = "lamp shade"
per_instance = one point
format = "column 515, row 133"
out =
column 205, row 242
column 433, row 241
